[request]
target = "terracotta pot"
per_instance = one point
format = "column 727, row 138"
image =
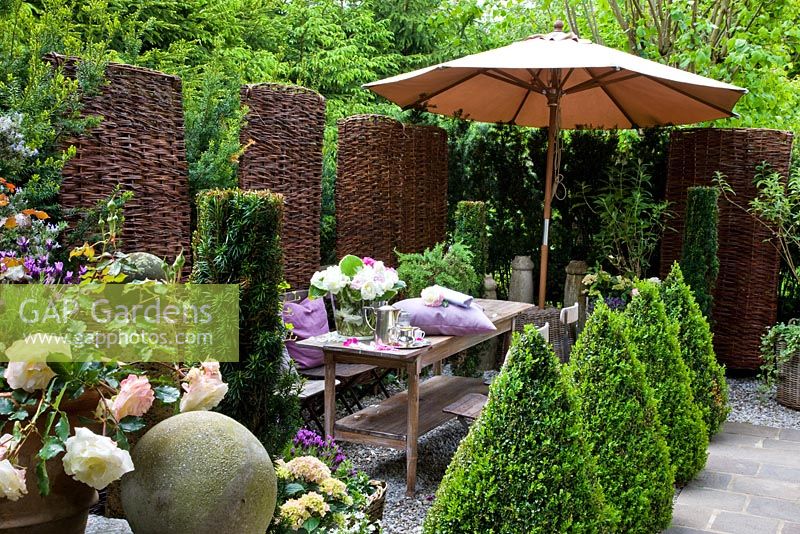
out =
column 66, row 509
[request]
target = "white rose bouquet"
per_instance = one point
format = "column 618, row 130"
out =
column 355, row 283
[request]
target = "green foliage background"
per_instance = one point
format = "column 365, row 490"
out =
column 333, row 47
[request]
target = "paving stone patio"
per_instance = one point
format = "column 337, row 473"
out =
column 751, row 484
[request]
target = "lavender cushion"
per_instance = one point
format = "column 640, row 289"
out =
column 309, row 319
column 447, row 321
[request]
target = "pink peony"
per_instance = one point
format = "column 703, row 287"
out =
column 369, row 262
column 135, row 397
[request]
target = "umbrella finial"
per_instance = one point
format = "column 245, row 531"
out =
column 558, row 25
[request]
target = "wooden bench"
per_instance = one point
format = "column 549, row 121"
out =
column 469, row 407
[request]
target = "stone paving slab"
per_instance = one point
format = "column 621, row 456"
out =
column 751, row 485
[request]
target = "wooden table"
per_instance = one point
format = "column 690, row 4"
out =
column 401, row 420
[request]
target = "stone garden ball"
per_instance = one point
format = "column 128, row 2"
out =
column 196, row 473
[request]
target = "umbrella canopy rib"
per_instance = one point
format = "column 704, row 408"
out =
column 536, row 81
column 521, row 105
column 687, row 94
column 614, row 100
column 597, row 81
column 428, row 96
column 508, row 78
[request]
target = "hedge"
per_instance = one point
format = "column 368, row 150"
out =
column 470, row 229
column 624, row 432
column 524, row 465
column 699, row 257
column 237, row 242
column 655, row 337
column 709, row 387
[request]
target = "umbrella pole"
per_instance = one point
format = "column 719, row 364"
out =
column 552, row 132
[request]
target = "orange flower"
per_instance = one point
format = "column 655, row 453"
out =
column 11, row 187
column 3, row 200
column 36, row 213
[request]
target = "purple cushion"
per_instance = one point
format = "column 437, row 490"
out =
column 447, row 321
column 309, row 319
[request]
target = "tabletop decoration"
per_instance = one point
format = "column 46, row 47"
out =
column 355, row 283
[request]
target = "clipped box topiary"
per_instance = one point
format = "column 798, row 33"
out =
column 655, row 337
column 237, row 241
column 699, row 256
column 623, row 429
column 709, row 387
column 524, row 466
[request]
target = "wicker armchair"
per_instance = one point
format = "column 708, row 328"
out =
column 559, row 333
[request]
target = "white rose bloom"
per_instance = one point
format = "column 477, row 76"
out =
column 432, row 296
column 336, row 280
column 379, row 266
column 37, row 347
column 203, row 391
column 370, row 290
column 12, row 481
column 364, row 275
column 29, row 376
column 390, row 278
column 95, row 460
column 318, row 280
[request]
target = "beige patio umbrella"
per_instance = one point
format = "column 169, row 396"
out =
column 560, row 81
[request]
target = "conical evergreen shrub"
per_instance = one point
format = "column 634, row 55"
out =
column 655, row 337
column 624, row 433
column 524, row 465
column 709, row 387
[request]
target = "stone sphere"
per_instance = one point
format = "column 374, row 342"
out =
column 196, row 473
column 144, row 266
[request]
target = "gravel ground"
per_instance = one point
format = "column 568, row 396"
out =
column 404, row 515
column 749, row 405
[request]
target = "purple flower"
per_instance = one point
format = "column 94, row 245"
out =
column 23, row 243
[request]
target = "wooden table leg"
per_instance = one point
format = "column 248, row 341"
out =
column 437, row 367
column 330, row 393
column 412, row 430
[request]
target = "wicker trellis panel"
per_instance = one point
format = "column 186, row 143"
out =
column 391, row 187
column 745, row 299
column 369, row 186
column 284, row 131
column 139, row 145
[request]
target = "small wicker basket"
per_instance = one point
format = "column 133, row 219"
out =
column 376, row 501
column 789, row 380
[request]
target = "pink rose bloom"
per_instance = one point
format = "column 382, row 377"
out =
column 211, row 370
column 6, row 440
column 369, row 262
column 135, row 397
column 203, row 388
